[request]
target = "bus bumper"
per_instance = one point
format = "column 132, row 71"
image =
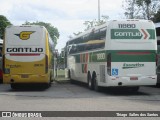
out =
column 128, row 81
column 8, row 79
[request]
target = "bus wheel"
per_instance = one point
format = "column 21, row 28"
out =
column 96, row 87
column 69, row 76
column 90, row 82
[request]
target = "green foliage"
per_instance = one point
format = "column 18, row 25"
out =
column 142, row 2
column 129, row 6
column 156, row 17
column 140, row 9
column 90, row 24
column 4, row 22
column 145, row 6
column 93, row 23
column 53, row 31
column 60, row 60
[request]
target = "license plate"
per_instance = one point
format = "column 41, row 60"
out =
column 133, row 78
column 24, row 76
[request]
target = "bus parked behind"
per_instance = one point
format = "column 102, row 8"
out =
column 27, row 56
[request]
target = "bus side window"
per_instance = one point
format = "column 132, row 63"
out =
column 68, row 49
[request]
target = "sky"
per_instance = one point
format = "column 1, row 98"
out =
column 67, row 16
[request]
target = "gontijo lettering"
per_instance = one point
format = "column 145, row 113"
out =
column 24, row 35
column 127, row 34
column 26, row 49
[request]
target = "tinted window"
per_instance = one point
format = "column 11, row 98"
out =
column 93, row 40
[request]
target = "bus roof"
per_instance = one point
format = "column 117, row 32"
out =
column 105, row 25
column 89, row 31
column 26, row 26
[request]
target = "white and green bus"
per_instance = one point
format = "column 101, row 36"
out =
column 118, row 53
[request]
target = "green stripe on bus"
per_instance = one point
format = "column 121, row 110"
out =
column 133, row 58
column 137, row 34
column 101, row 56
column 151, row 33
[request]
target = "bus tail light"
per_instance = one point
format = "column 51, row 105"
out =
column 133, row 78
column 46, row 64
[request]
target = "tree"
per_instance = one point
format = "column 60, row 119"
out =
column 129, row 6
column 145, row 5
column 53, row 31
column 93, row 23
column 4, row 22
column 156, row 17
column 140, row 9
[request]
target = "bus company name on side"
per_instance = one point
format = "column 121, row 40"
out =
column 24, row 49
column 128, row 34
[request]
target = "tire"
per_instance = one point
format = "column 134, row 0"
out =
column 69, row 76
column 90, row 82
column 96, row 87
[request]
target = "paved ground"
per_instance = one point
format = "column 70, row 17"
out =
column 63, row 96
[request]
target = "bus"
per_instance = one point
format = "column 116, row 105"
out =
column 157, row 25
column 1, row 73
column 119, row 53
column 28, row 56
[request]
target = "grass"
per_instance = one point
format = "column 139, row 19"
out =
column 60, row 72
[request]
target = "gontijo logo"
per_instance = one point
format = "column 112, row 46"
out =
column 144, row 34
column 24, row 35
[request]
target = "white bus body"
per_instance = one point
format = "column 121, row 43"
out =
column 119, row 53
